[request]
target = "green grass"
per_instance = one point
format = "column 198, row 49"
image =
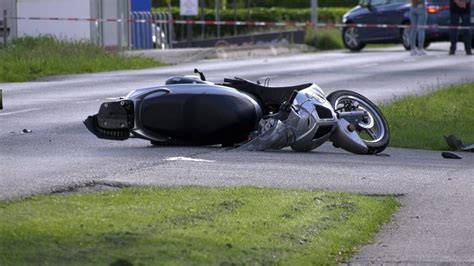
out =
column 32, row 58
column 189, row 226
column 420, row 122
column 331, row 39
column 324, row 39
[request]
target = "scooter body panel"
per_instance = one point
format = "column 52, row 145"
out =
column 192, row 111
column 200, row 114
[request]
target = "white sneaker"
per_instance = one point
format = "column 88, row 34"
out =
column 421, row 52
column 413, row 52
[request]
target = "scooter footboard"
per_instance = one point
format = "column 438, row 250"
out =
column 114, row 120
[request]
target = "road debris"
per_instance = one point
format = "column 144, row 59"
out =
column 450, row 155
column 188, row 159
column 456, row 144
column 26, row 131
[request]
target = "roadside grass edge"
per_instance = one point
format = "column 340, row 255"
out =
column 191, row 225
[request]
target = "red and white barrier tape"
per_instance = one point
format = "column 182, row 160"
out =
column 248, row 23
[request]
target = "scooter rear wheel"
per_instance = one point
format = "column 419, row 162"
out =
column 374, row 131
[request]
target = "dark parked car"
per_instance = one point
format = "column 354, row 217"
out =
column 396, row 12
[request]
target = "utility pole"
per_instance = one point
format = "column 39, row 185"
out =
column 248, row 13
column 203, row 17
column 314, row 12
column 5, row 36
column 119, row 28
column 234, row 5
column 170, row 24
column 218, row 17
column 5, row 28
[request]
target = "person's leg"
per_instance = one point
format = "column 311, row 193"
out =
column 421, row 31
column 413, row 29
column 453, row 33
column 466, row 21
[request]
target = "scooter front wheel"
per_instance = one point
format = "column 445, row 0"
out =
column 373, row 130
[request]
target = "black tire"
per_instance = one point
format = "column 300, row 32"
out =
column 427, row 43
column 376, row 128
column 405, row 38
column 351, row 39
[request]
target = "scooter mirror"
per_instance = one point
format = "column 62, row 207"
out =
column 203, row 78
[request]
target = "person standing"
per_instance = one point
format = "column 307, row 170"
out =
column 418, row 19
column 460, row 10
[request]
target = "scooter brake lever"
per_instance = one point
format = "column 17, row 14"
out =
column 286, row 105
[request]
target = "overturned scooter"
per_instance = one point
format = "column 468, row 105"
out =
column 245, row 115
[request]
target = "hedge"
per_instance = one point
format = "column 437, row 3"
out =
column 255, row 14
column 324, row 39
column 325, row 14
column 267, row 3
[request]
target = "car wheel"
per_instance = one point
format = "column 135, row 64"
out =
column 406, row 38
column 351, row 39
column 427, row 43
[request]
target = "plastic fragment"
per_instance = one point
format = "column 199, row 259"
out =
column 450, row 155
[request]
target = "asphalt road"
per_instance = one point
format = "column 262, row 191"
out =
column 433, row 226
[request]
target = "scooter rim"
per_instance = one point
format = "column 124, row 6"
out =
column 373, row 115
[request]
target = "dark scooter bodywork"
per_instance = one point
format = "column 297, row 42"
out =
column 199, row 114
column 191, row 111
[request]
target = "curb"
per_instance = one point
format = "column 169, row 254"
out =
column 187, row 55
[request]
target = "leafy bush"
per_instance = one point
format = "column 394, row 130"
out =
column 268, row 3
column 324, row 39
column 273, row 14
column 268, row 14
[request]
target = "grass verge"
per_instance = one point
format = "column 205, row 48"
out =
column 324, row 39
column 32, row 58
column 421, row 121
column 185, row 226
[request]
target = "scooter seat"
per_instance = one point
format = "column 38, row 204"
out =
column 265, row 94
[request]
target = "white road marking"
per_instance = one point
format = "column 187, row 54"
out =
column 188, row 159
column 370, row 65
column 20, row 111
column 89, row 101
column 270, row 77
